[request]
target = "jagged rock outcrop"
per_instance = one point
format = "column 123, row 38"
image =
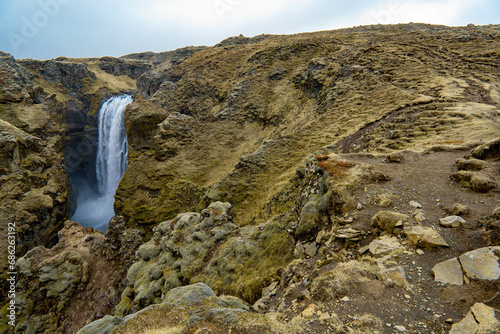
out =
column 69, row 74
column 165, row 59
column 237, row 40
column 84, row 268
column 117, row 66
column 33, row 193
column 13, row 79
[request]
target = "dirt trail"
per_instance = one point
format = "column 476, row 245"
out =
column 423, row 178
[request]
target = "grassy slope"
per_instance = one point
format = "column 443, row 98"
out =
column 435, row 81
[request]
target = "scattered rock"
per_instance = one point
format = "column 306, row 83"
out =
column 270, row 290
column 383, row 245
column 468, row 325
column 394, row 275
column 458, row 210
column 419, row 216
column 482, row 263
column 424, row 236
column 349, row 233
column 310, row 311
column 479, row 318
column 384, row 203
column 309, row 217
column 299, row 251
column 311, row 249
column 400, row 328
column 416, row 205
column 388, row 219
column 326, row 318
column 363, row 249
column 449, row 272
column 452, row 221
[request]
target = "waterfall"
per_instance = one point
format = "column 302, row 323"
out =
column 95, row 206
column 112, row 150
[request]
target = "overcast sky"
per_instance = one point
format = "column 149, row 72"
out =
column 45, row 29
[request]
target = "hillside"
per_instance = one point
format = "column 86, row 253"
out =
column 309, row 183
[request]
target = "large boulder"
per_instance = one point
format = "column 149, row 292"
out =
column 449, row 272
column 101, row 326
column 190, row 295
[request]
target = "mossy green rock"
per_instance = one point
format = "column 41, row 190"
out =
column 191, row 308
column 101, row 326
column 388, row 219
column 54, row 282
column 190, row 295
column 176, row 253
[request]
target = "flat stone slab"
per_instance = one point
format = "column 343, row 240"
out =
column 482, row 263
column 467, row 325
column 452, row 221
column 479, row 317
column 449, row 272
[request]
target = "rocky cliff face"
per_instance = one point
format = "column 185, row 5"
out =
column 32, row 176
column 338, row 181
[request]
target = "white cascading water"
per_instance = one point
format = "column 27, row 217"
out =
column 95, row 210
